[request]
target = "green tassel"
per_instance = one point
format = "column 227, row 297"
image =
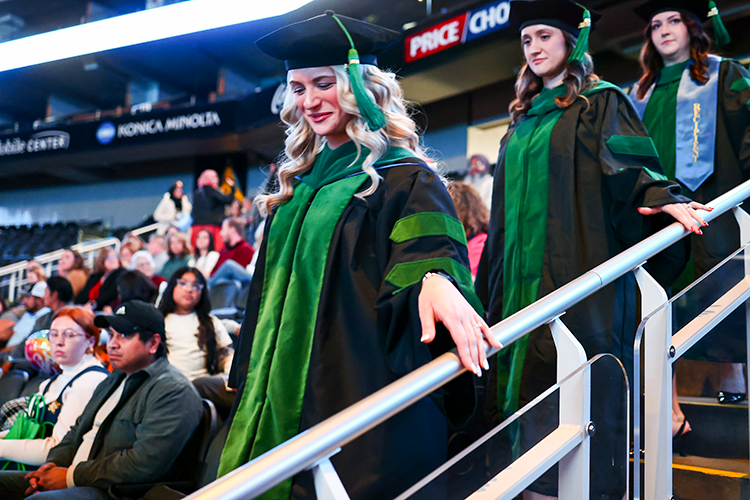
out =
column 582, row 45
column 369, row 109
column 720, row 32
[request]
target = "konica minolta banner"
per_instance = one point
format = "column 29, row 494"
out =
column 123, row 130
column 457, row 30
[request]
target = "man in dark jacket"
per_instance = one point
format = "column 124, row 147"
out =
column 208, row 206
column 134, row 427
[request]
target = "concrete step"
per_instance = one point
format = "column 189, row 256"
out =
column 700, row 478
column 719, row 431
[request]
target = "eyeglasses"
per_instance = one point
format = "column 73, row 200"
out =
column 186, row 285
column 68, row 334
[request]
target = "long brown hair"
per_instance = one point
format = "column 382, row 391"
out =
column 78, row 262
column 472, row 212
column 579, row 78
column 99, row 262
column 652, row 62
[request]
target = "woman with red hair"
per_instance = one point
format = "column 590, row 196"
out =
column 696, row 107
column 73, row 339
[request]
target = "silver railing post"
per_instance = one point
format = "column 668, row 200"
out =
column 328, row 485
column 12, row 288
column 658, row 389
column 575, row 410
column 743, row 220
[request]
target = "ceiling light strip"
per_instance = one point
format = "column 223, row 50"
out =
column 139, row 27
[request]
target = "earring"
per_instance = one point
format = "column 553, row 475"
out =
column 90, row 350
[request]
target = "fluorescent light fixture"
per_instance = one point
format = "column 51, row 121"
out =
column 139, row 27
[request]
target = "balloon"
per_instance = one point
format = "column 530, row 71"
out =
column 39, row 354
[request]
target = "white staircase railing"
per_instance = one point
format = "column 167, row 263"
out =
column 312, row 448
column 663, row 347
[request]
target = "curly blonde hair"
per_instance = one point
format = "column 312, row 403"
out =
column 302, row 144
column 579, row 78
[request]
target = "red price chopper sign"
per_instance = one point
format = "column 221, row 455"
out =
column 458, row 30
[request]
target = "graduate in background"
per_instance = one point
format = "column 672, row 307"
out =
column 362, row 255
column 574, row 168
column 696, row 107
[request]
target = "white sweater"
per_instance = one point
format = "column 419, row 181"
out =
column 75, row 399
column 182, row 340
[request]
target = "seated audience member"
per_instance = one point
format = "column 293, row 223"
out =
column 71, row 267
column 144, row 263
column 57, row 295
column 235, row 257
column 127, row 249
column 33, row 301
column 208, row 205
column 72, row 338
column 35, row 272
column 133, row 428
column 205, row 257
column 101, row 287
column 158, row 251
column 199, row 345
column 179, row 251
column 173, row 209
column 8, row 320
column 475, row 217
column 134, row 285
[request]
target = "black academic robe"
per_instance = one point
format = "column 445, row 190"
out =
column 366, row 338
column 594, row 194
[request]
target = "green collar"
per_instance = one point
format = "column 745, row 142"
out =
column 335, row 164
column 672, row 73
column 545, row 101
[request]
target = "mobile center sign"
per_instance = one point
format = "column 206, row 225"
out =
column 458, row 30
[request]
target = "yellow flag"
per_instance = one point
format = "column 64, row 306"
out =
column 226, row 188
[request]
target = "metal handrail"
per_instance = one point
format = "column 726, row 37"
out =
column 313, row 445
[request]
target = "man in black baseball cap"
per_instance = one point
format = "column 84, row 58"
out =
column 134, row 427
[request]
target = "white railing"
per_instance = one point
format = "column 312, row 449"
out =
column 13, row 274
column 663, row 348
column 312, row 448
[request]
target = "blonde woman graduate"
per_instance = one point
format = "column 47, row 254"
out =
column 574, row 170
column 362, row 257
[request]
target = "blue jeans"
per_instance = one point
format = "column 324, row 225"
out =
column 230, row 271
column 13, row 487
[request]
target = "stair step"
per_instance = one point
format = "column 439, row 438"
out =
column 699, row 478
column 719, row 431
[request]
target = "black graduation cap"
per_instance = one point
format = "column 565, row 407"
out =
column 320, row 41
column 562, row 14
column 647, row 10
column 701, row 9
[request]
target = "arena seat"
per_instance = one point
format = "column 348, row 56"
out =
column 26, row 242
column 12, row 384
